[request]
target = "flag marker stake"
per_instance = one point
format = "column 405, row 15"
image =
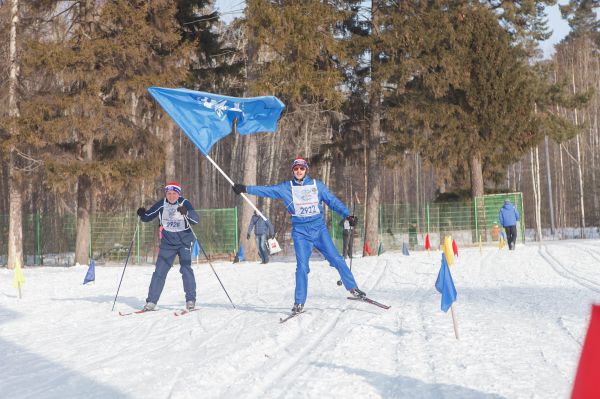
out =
column 454, row 321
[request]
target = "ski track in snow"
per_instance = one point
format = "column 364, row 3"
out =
column 522, row 317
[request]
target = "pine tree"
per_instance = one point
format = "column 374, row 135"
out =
column 89, row 115
column 467, row 105
column 582, row 19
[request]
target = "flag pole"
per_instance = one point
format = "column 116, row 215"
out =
column 232, row 183
column 454, row 321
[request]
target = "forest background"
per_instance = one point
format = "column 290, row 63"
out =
column 391, row 102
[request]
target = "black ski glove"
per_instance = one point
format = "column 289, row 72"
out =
column 239, row 188
column 352, row 220
column 182, row 209
column 141, row 211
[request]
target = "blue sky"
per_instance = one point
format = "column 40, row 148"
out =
column 231, row 8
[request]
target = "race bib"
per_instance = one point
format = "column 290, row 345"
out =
column 306, row 200
column 172, row 220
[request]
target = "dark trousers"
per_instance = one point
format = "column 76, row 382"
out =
column 511, row 236
column 263, row 250
column 166, row 256
column 347, row 244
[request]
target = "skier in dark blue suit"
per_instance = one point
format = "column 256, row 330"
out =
column 175, row 214
column 304, row 197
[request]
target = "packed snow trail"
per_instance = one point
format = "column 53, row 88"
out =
column 522, row 316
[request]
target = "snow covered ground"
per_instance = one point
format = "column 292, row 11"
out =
column 522, row 318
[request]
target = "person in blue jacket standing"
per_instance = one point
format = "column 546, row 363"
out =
column 508, row 217
column 303, row 197
column 176, row 214
column 262, row 229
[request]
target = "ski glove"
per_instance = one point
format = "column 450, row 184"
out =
column 182, row 209
column 248, row 236
column 239, row 188
column 352, row 220
column 141, row 211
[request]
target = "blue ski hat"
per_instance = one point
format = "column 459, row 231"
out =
column 299, row 161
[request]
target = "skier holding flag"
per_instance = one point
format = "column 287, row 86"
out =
column 303, row 198
column 175, row 214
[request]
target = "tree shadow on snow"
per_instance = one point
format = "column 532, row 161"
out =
column 390, row 386
column 29, row 375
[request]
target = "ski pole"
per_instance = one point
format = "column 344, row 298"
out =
column 208, row 260
column 350, row 242
column 137, row 225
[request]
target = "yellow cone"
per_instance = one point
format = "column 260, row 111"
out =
column 448, row 250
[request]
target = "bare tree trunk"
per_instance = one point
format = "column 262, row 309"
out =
column 476, row 177
column 249, row 162
column 84, row 202
column 250, row 157
column 579, row 166
column 580, row 176
column 372, row 199
column 549, row 178
column 535, row 178
column 15, row 226
column 562, row 195
column 168, row 140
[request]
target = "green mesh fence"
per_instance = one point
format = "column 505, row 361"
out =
column 467, row 222
column 50, row 239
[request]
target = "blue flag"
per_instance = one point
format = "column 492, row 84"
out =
column 206, row 118
column 445, row 285
column 91, row 273
column 196, row 249
column 405, row 249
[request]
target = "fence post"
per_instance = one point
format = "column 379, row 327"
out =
column 37, row 236
column 237, row 236
column 522, row 219
column 90, row 246
column 427, row 215
column 138, row 231
column 475, row 209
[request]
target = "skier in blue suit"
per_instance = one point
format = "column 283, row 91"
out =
column 303, row 197
column 175, row 214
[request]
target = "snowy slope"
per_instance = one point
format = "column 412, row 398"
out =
column 522, row 320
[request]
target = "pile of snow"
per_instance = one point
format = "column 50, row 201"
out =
column 522, row 320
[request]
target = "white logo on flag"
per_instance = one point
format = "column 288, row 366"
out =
column 220, row 107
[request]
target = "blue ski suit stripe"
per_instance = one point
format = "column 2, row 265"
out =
column 173, row 244
column 309, row 232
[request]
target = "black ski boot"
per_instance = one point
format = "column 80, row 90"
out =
column 358, row 293
column 298, row 308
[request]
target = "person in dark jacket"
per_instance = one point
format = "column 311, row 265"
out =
column 176, row 214
column 303, row 198
column 508, row 217
column 262, row 229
